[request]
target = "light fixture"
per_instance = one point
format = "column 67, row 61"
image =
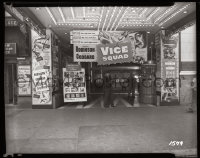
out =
column 61, row 13
column 51, row 15
column 105, row 18
column 111, row 18
column 100, row 17
column 93, row 9
column 185, row 12
column 37, row 8
column 121, row 18
column 116, row 18
column 148, row 32
column 174, row 14
column 154, row 12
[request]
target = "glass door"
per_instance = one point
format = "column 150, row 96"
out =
column 10, row 84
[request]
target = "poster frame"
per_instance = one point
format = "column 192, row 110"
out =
column 23, row 95
column 42, row 106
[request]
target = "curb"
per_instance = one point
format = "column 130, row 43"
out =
column 182, row 153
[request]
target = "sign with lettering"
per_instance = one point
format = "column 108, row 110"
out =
column 84, row 33
column 138, row 40
column 114, row 53
column 10, row 48
column 84, row 37
column 73, row 67
column 170, row 68
column 24, row 80
column 41, row 69
column 85, row 53
column 11, row 22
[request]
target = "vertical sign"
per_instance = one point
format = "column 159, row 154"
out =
column 41, row 69
column 24, row 80
column 74, row 85
column 170, row 68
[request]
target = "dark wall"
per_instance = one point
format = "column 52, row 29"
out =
column 14, row 35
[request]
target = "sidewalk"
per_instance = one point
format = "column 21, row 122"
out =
column 96, row 130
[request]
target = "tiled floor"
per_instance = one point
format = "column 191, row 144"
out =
column 98, row 130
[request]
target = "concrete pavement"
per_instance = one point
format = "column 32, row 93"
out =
column 97, row 130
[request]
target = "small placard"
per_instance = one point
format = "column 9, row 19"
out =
column 73, row 67
column 10, row 48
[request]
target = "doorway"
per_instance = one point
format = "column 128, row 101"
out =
column 10, row 84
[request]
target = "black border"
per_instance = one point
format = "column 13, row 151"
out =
column 87, row 3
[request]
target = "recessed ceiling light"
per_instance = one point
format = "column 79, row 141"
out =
column 185, row 12
column 93, row 9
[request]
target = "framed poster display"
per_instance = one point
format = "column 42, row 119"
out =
column 24, row 80
column 74, row 86
column 41, row 69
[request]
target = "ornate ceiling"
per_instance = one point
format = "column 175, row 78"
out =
column 62, row 20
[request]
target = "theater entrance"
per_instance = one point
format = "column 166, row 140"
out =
column 124, row 85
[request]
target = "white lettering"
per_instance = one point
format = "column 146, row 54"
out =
column 110, row 58
column 104, row 51
column 124, row 49
column 111, row 51
column 115, row 57
column 117, row 50
column 120, row 57
column 104, row 58
column 125, row 55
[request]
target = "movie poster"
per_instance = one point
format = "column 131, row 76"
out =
column 137, row 39
column 74, row 86
column 170, row 68
column 112, row 53
column 24, row 80
column 41, row 69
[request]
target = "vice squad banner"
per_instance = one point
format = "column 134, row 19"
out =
column 112, row 53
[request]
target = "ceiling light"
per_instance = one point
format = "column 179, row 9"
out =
column 37, row 8
column 51, row 15
column 185, row 12
column 148, row 32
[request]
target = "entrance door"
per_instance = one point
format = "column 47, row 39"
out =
column 10, row 88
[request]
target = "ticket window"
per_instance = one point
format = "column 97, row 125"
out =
column 10, row 87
